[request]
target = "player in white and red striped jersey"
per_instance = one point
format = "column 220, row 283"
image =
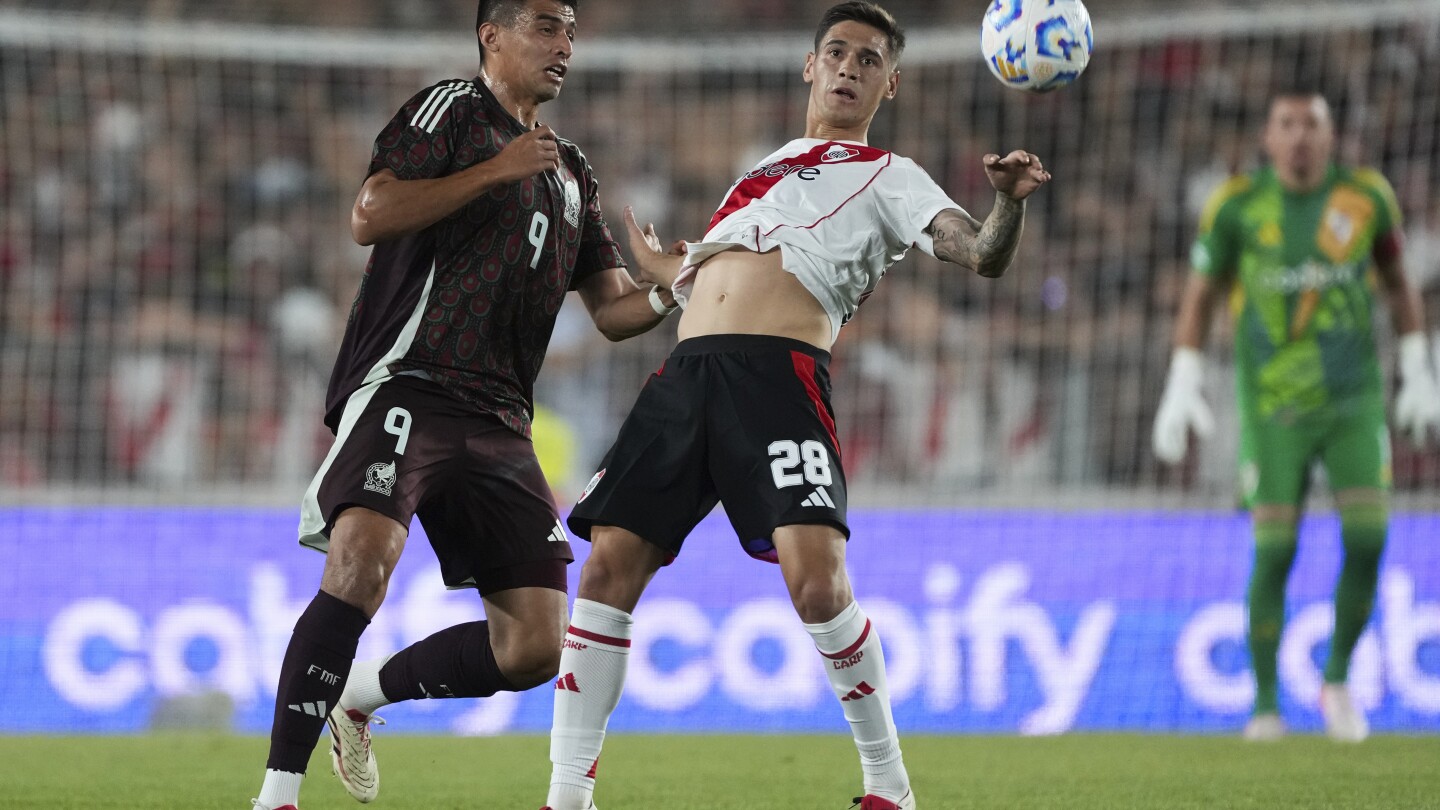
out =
column 839, row 212
column 740, row 412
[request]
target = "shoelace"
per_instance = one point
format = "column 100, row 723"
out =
column 362, row 727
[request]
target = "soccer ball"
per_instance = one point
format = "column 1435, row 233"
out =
column 1036, row 45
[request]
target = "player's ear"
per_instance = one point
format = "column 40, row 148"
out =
column 892, row 84
column 489, row 35
column 809, row 72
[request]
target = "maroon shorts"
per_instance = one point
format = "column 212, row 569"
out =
column 407, row 448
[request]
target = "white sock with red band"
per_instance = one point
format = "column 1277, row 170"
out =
column 855, row 665
column 592, row 675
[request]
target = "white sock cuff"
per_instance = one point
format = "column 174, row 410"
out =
column 599, row 623
column 280, row 788
column 362, row 686
column 850, row 628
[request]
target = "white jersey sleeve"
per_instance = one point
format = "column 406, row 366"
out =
column 840, row 213
column 909, row 200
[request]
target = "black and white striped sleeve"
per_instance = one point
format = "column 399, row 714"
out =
column 419, row 142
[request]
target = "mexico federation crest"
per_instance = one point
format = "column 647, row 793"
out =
column 380, row 478
column 590, row 487
column 572, row 203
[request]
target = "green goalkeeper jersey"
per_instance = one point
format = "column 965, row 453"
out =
column 1299, row 267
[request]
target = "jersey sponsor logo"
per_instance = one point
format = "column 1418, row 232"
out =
column 590, row 487
column 380, row 478
column 757, row 182
column 1310, row 276
column 783, row 168
column 572, row 203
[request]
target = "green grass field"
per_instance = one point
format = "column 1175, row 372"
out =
column 199, row 772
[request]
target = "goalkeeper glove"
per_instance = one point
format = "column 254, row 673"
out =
column 1417, row 405
column 1181, row 407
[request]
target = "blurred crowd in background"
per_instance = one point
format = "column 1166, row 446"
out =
column 176, row 266
column 598, row 17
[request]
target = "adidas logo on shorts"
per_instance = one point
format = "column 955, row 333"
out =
column 819, row 498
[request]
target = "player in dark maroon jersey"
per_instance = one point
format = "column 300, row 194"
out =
column 481, row 220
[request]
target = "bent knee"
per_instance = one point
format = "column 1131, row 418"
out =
column 531, row 664
column 820, row 601
column 619, row 568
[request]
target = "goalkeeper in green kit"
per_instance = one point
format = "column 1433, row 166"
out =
column 1302, row 247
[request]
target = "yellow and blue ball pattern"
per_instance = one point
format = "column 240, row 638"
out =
column 1036, row 45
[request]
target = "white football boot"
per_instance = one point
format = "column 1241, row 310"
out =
column 351, row 756
column 1266, row 727
column 1343, row 721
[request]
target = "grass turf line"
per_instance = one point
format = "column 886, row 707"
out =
column 715, row 772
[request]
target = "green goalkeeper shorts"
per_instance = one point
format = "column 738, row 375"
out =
column 1275, row 458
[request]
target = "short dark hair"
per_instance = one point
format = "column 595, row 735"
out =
column 870, row 14
column 504, row 13
column 1298, row 89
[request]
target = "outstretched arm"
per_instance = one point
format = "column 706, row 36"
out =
column 987, row 247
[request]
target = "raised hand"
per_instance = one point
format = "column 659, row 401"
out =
column 1015, row 175
column 646, row 234
column 653, row 263
column 528, row 155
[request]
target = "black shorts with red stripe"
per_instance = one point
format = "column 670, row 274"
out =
column 743, row 420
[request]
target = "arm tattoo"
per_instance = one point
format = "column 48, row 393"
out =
column 985, row 248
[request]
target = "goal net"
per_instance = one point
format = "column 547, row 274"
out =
column 176, row 261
